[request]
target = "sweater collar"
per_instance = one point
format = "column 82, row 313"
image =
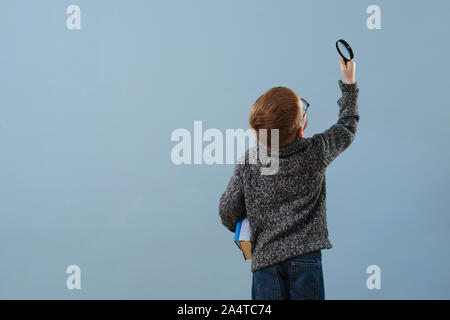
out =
column 289, row 149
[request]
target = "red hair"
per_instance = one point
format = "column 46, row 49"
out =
column 277, row 108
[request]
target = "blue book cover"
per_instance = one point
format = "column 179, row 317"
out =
column 238, row 230
column 242, row 237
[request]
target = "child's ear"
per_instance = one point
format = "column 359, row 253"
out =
column 303, row 124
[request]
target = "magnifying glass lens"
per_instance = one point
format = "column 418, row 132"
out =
column 344, row 51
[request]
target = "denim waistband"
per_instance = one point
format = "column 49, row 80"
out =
column 316, row 253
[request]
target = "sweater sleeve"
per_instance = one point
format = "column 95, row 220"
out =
column 232, row 203
column 339, row 136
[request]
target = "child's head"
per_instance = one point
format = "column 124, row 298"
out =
column 278, row 108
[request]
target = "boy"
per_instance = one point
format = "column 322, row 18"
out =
column 287, row 210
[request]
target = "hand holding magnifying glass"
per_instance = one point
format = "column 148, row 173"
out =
column 347, row 65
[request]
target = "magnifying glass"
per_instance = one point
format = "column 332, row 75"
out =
column 344, row 50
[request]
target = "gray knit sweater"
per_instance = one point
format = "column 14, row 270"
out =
column 287, row 210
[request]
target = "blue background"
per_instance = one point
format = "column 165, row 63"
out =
column 86, row 117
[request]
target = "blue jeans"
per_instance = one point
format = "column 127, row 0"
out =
column 298, row 278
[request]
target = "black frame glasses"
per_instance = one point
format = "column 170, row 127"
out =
column 305, row 106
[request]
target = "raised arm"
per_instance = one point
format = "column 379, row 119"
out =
column 339, row 136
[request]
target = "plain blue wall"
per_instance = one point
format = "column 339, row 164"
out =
column 85, row 123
